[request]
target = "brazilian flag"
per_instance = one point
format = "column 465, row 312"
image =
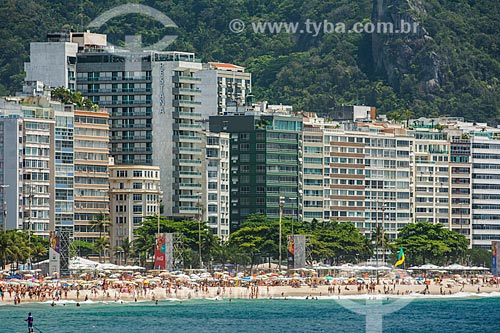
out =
column 401, row 257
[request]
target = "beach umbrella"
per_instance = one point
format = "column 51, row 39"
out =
column 456, row 267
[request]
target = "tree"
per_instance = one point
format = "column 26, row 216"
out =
column 82, row 248
column 65, row 96
column 255, row 241
column 101, row 243
column 14, row 247
column 100, row 222
column 424, row 241
column 127, row 248
column 144, row 242
column 478, row 257
column 338, row 242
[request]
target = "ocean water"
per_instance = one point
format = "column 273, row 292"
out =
column 461, row 313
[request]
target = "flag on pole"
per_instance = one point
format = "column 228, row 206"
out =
column 401, row 257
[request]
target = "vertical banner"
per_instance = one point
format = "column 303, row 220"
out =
column 296, row 251
column 169, row 255
column 160, row 252
column 495, row 245
column 290, row 250
column 54, row 253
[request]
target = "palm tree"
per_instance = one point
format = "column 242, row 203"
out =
column 101, row 245
column 13, row 247
column 100, row 221
column 127, row 248
column 381, row 239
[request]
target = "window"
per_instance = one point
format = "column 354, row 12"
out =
column 121, row 173
column 137, row 197
column 137, row 173
column 137, row 186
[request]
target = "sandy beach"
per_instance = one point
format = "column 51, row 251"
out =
column 262, row 291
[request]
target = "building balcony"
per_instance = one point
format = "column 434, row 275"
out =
column 187, row 115
column 185, row 162
column 188, row 210
column 185, row 102
column 113, row 78
column 125, row 102
column 188, row 150
column 187, row 138
column 131, row 114
column 186, row 91
column 185, row 79
column 187, row 127
column 189, row 186
column 115, row 91
column 131, row 138
column 147, row 126
column 133, row 150
column 191, row 174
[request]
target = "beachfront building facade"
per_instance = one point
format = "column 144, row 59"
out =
column 460, row 173
column 64, row 167
column 91, row 171
column 11, row 161
column 369, row 178
column 431, row 157
column 38, row 166
column 485, row 186
column 155, row 99
column 314, row 170
column 53, row 62
column 265, row 163
column 215, row 191
column 226, row 89
column 134, row 192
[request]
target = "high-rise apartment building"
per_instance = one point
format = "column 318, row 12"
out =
column 38, row 165
column 431, row 161
column 485, row 186
column 64, row 167
column 91, row 171
column 216, row 184
column 226, row 89
column 134, row 194
column 265, row 163
column 367, row 177
column 11, row 166
column 53, row 62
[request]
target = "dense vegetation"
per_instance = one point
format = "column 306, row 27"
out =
column 16, row 247
column 257, row 241
column 460, row 49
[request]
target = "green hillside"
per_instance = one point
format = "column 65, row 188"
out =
column 451, row 67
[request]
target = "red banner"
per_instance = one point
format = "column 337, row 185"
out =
column 160, row 252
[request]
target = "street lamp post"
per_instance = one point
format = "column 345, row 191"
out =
column 376, row 240
column 199, row 230
column 281, row 203
column 384, row 206
column 461, row 221
column 158, row 201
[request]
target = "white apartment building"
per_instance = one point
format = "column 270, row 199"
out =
column 134, row 194
column 216, row 184
column 226, row 89
column 431, row 186
column 485, row 187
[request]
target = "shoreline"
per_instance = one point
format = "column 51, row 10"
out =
column 263, row 292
